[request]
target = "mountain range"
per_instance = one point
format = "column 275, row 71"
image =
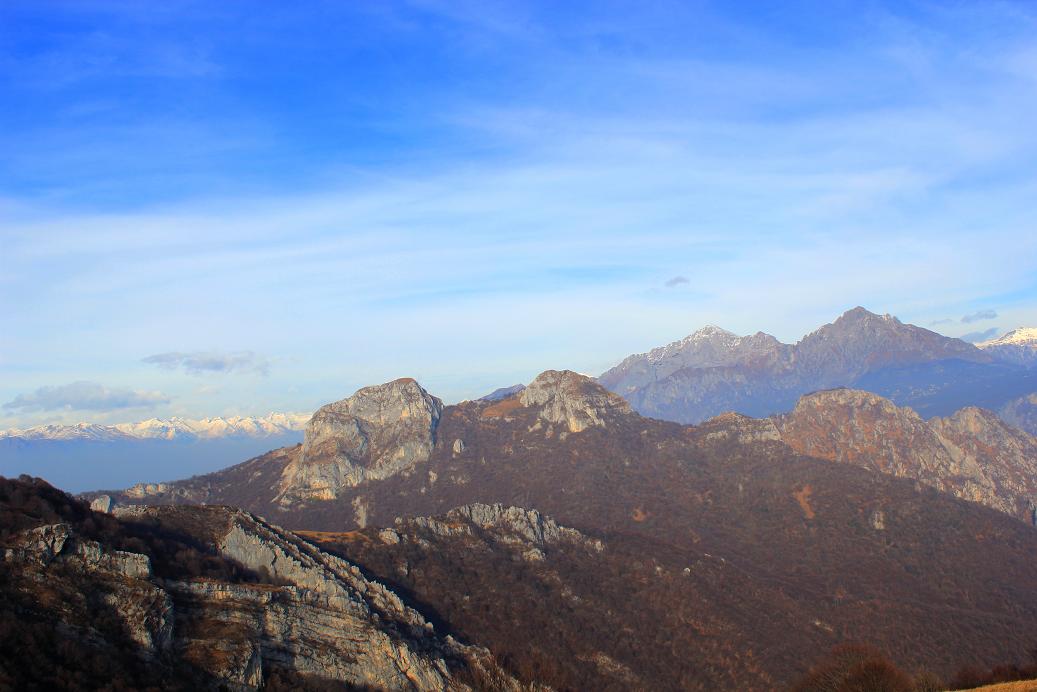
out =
column 166, row 429
column 84, row 456
column 564, row 535
column 729, row 553
column 713, row 370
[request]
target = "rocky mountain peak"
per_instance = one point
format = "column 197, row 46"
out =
column 377, row 433
column 711, row 339
column 860, row 341
column 860, row 314
column 712, row 331
column 854, row 400
column 971, row 453
column 1021, row 335
column 577, row 401
column 856, row 323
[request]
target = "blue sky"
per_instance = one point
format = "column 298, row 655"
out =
column 223, row 208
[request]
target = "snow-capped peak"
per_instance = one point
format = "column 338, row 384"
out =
column 1018, row 347
column 1023, row 336
column 710, row 334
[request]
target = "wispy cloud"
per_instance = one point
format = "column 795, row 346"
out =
column 945, row 320
column 979, row 316
column 974, row 337
column 676, row 281
column 84, row 396
column 202, row 363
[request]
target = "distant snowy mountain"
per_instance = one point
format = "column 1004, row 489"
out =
column 1018, row 346
column 175, row 428
column 86, row 455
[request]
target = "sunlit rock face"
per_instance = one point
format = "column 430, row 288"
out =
column 375, row 434
column 271, row 604
column 971, row 454
column 573, row 400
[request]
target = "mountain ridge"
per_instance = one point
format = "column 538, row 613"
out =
column 713, row 370
column 175, row 427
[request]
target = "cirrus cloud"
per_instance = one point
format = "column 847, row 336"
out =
column 203, row 362
column 85, row 396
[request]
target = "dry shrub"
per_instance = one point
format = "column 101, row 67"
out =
column 855, row 668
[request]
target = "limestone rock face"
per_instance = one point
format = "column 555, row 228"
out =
column 743, row 429
column 102, row 503
column 303, row 610
column 971, row 454
column 573, row 400
column 327, row 619
column 524, row 529
column 145, row 610
column 525, row 525
column 377, row 433
column 53, row 543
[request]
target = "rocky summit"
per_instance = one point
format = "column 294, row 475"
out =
column 568, row 399
column 971, row 454
column 375, row 434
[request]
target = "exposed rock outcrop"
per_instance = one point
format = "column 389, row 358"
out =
column 739, row 428
column 327, row 619
column 514, row 526
column 573, row 400
column 971, row 454
column 102, row 503
column 144, row 609
column 305, row 612
column 377, row 433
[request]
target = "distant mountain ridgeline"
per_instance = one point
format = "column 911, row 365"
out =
column 713, row 370
column 175, row 428
column 84, row 456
